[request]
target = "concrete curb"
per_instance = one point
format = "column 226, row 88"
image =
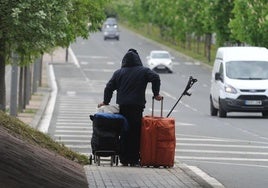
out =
column 38, row 116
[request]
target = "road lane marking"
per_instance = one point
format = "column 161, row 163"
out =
column 72, row 140
column 70, row 123
column 222, row 152
column 216, row 138
column 92, row 56
column 99, row 70
column 73, row 127
column 175, row 98
column 221, row 158
column 75, row 60
column 73, row 131
column 223, row 145
column 184, row 124
column 233, row 164
column 77, row 146
column 72, row 135
column 212, row 181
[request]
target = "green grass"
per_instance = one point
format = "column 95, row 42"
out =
column 23, row 131
column 30, row 111
column 153, row 33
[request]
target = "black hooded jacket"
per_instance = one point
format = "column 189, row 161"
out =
column 130, row 81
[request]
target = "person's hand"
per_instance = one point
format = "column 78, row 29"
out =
column 100, row 105
column 158, row 97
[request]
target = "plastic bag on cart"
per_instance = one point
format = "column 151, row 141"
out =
column 114, row 109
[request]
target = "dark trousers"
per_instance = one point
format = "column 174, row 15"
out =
column 130, row 140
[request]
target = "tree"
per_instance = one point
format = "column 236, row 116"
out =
column 250, row 23
column 30, row 28
column 223, row 14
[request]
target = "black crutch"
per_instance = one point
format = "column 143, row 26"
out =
column 190, row 83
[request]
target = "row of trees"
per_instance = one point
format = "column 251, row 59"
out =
column 29, row 28
column 234, row 22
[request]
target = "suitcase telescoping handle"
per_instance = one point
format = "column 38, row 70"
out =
column 161, row 111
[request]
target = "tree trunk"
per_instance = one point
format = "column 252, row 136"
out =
column 2, row 77
column 21, row 87
column 209, row 39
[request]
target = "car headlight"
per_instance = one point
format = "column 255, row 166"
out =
column 230, row 89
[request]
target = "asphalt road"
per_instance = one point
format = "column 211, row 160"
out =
column 234, row 150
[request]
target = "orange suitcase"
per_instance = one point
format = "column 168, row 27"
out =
column 158, row 140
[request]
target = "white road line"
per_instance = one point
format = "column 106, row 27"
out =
column 87, row 146
column 74, row 120
column 233, row 164
column 205, row 139
column 73, row 127
column 222, row 145
column 73, row 57
column 73, row 135
column 69, row 123
column 73, row 131
column 99, row 70
column 73, row 141
column 212, row 181
column 184, row 124
column 75, row 114
column 222, row 152
column 175, row 98
column 221, row 158
column 92, row 57
column 86, row 154
column 75, row 108
column 227, row 139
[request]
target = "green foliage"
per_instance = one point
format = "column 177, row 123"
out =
column 32, row 27
column 233, row 21
column 223, row 14
column 24, row 132
column 250, row 23
column 29, row 28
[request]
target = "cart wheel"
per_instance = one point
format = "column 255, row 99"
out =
column 112, row 160
column 94, row 158
column 116, row 160
column 90, row 159
column 98, row 160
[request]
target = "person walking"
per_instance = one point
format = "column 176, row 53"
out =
column 130, row 82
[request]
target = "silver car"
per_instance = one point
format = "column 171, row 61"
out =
column 110, row 29
column 160, row 60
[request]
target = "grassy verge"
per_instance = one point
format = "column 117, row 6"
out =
column 196, row 51
column 23, row 131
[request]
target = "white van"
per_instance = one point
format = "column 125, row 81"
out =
column 239, row 81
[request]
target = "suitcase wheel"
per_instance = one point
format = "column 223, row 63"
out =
column 112, row 160
column 90, row 159
column 98, row 160
column 116, row 160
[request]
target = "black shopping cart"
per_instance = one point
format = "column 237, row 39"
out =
column 105, row 141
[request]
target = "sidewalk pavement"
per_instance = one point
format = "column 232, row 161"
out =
column 106, row 176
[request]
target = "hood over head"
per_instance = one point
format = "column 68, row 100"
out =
column 131, row 59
